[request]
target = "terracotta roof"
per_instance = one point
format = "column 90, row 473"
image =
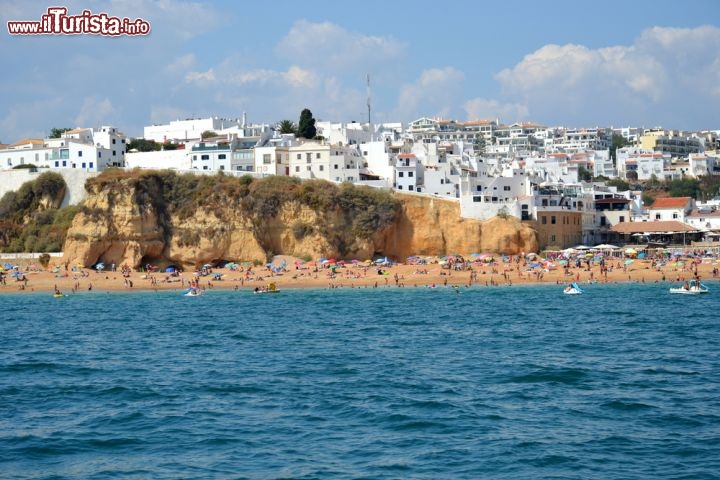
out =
column 477, row 122
column 77, row 130
column 25, row 141
column 670, row 202
column 406, row 155
column 659, row 226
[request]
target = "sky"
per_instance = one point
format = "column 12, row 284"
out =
column 613, row 63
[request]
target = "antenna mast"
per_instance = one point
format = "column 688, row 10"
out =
column 368, row 106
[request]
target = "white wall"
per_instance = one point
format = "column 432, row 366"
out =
column 12, row 180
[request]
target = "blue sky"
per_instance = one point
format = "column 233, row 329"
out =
column 557, row 63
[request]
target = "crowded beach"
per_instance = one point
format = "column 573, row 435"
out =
column 475, row 270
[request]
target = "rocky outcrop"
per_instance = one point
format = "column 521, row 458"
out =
column 117, row 226
column 432, row 226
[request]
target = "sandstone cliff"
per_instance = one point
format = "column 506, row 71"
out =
column 120, row 224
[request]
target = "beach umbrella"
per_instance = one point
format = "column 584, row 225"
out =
column 628, row 262
column 170, row 269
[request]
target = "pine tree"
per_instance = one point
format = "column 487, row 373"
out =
column 306, row 125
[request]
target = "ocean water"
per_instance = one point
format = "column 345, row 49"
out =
column 517, row 382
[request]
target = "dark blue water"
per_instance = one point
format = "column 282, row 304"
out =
column 510, row 382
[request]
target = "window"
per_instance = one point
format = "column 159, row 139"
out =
column 322, row 168
column 83, row 164
column 410, row 187
column 317, row 155
column 194, row 157
column 221, row 156
column 80, row 153
column 91, row 165
column 299, row 156
column 266, row 158
column 308, row 157
column 205, row 157
column 222, row 167
column 57, row 164
column 657, row 216
column 336, row 166
column 64, row 163
column 99, row 154
column 309, row 168
column 114, row 153
column 410, row 174
column 543, row 220
column 506, row 188
column 401, row 174
column 675, row 215
column 552, row 219
column 297, row 169
column 113, row 141
column 622, row 218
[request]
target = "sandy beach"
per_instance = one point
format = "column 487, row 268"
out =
column 361, row 275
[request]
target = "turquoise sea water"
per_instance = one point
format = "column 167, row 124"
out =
column 510, row 382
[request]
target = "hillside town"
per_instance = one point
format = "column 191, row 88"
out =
column 549, row 177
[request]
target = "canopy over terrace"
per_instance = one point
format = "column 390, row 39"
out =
column 671, row 231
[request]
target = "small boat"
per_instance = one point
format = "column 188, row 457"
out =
column 693, row 287
column 58, row 295
column 269, row 288
column 573, row 289
column 193, row 292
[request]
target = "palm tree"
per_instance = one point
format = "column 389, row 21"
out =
column 286, row 126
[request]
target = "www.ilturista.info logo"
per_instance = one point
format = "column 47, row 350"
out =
column 57, row 22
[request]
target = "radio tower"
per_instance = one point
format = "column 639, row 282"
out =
column 368, row 105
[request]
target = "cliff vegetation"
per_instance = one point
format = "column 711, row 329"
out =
column 30, row 218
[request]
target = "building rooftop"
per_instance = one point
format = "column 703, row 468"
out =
column 670, row 202
column 658, row 226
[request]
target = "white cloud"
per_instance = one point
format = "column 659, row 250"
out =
column 163, row 114
column 181, row 63
column 488, row 109
column 294, row 77
column 664, row 70
column 434, row 93
column 95, row 112
column 329, row 46
column 299, row 77
column 201, row 77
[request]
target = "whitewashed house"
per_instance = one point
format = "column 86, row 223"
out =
column 408, row 172
column 80, row 148
column 671, row 208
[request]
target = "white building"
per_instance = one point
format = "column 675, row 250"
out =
column 671, row 208
column 642, row 164
column 81, row 148
column 408, row 173
column 188, row 129
column 177, row 159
